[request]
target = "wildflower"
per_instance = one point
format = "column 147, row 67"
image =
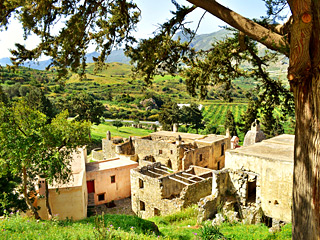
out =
column 110, row 225
column 11, row 213
column 94, row 228
column 28, row 221
column 118, row 227
column 195, row 233
column 132, row 227
column 188, row 226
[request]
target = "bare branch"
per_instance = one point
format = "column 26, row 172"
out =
column 255, row 31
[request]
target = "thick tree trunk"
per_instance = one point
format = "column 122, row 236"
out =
column 304, row 76
column 26, row 196
column 49, row 212
column 306, row 179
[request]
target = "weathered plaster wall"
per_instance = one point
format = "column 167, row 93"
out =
column 121, row 188
column 67, row 203
column 113, row 148
column 276, row 182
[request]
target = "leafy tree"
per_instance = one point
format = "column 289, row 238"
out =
column 10, row 200
column 85, row 107
column 192, row 116
column 109, row 23
column 169, row 114
column 117, row 124
column 230, row 123
column 3, row 96
column 34, row 147
column 37, row 100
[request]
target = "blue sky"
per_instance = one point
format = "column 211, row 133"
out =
column 153, row 12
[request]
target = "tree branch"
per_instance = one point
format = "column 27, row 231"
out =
column 255, row 31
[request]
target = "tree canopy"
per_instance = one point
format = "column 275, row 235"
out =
column 108, row 23
column 34, row 147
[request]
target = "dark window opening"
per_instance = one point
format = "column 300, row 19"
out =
column 222, row 149
column 218, row 167
column 171, row 151
column 169, row 164
column 113, row 179
column 267, row 221
column 160, row 151
column 141, row 183
column 156, row 212
column 251, row 191
column 101, row 197
column 142, row 206
column 200, row 157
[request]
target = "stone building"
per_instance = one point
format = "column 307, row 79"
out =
column 257, row 180
column 272, row 161
column 155, row 190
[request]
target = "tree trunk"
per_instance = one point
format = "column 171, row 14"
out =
column 49, row 212
column 306, row 178
column 304, row 76
column 26, row 196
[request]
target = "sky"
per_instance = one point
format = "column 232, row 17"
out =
column 153, row 12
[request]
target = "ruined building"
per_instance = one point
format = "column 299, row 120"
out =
column 257, row 180
column 178, row 151
column 155, row 190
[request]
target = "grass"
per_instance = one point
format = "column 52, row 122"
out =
column 99, row 131
column 181, row 225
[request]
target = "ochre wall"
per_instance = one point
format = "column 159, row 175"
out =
column 113, row 191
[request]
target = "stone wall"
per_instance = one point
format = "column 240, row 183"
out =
column 276, row 182
column 237, row 191
column 154, row 195
column 115, row 147
column 160, row 150
column 97, row 154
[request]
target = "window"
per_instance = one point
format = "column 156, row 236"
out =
column 113, row 179
column 142, row 206
column 222, row 149
column 200, row 157
column 218, row 167
column 156, row 212
column 101, row 197
column 171, row 151
column 141, row 183
column 160, row 151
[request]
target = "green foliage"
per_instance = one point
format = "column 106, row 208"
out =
column 33, row 147
column 10, row 200
column 231, row 124
column 180, row 225
column 85, row 107
column 117, row 124
column 169, row 114
column 36, row 99
column 210, row 232
column 192, row 116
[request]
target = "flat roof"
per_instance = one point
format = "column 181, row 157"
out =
column 279, row 148
column 108, row 164
column 211, row 138
column 176, row 134
column 191, row 136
